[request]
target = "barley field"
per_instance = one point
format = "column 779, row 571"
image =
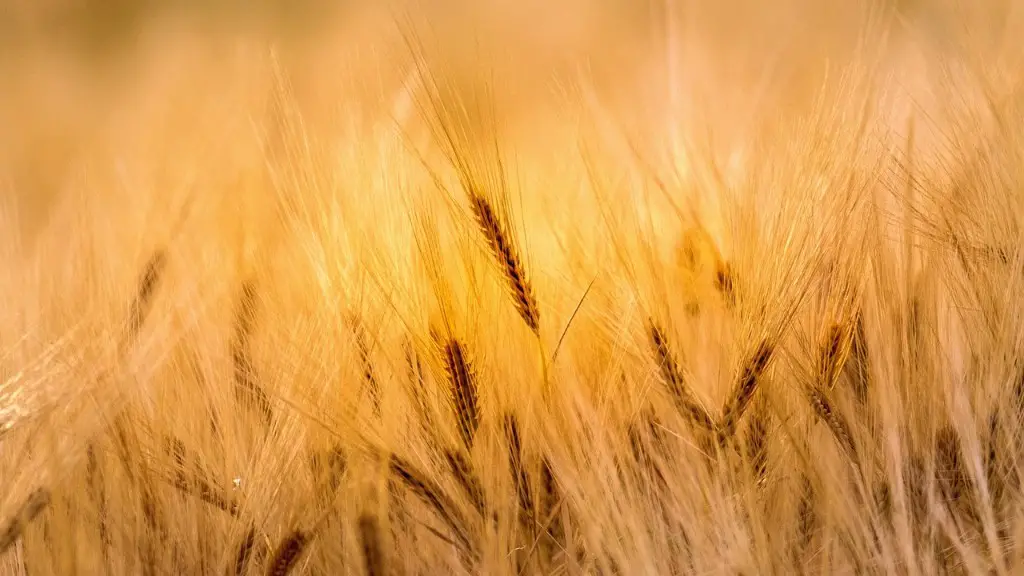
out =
column 662, row 287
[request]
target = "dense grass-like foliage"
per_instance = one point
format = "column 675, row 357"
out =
column 697, row 290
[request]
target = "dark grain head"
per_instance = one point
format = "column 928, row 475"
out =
column 507, row 256
column 373, row 552
column 747, row 383
column 464, row 390
column 288, row 553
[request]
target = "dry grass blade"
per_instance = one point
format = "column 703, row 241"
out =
column 507, row 256
column 750, row 377
column 464, row 391
column 673, row 376
column 373, row 552
column 288, row 553
column 33, row 506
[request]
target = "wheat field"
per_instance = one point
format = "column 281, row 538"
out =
column 512, row 288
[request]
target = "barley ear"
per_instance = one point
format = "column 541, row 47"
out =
column 143, row 301
column 464, row 390
column 288, row 553
column 672, row 375
column 33, row 506
column 746, row 386
column 504, row 251
column 373, row 552
column 248, row 389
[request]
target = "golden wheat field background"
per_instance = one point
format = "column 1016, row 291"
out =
column 511, row 287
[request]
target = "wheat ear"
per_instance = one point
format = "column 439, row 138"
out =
column 746, row 385
column 373, row 552
column 248, row 389
column 505, row 253
column 143, row 301
column 464, row 389
column 672, row 375
column 431, row 494
column 288, row 553
column 32, row 507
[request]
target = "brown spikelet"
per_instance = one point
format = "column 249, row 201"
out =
column 248, row 389
column 724, row 281
column 373, row 552
column 191, row 484
column 515, row 461
column 288, row 553
column 203, row 491
column 34, row 505
column 757, row 446
column 835, row 351
column 834, row 420
column 143, row 301
column 673, row 377
column 462, row 470
column 746, row 386
column 464, row 393
column 508, row 258
column 432, row 495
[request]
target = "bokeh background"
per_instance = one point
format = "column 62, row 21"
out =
column 105, row 81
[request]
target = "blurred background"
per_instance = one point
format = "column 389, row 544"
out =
column 127, row 81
